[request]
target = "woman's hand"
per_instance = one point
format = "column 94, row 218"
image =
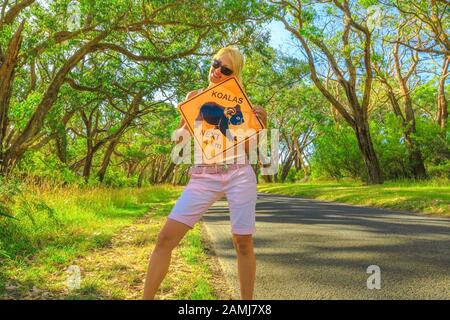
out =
column 261, row 114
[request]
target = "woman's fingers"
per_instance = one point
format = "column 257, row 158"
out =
column 260, row 112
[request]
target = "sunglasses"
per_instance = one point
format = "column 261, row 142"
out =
column 226, row 71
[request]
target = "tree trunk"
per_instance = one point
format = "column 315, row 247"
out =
column 305, row 167
column 368, row 153
column 414, row 154
column 153, row 170
column 174, row 176
column 88, row 164
column 267, row 178
column 442, row 105
column 167, row 173
column 7, row 71
column 61, row 147
column 415, row 158
column 183, row 174
column 106, row 160
column 409, row 120
column 35, row 123
column 287, row 165
column 358, row 117
column 142, row 175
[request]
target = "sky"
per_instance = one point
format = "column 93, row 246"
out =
column 281, row 39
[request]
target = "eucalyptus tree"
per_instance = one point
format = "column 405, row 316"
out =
column 43, row 42
column 335, row 34
column 431, row 37
column 396, row 67
column 145, row 151
column 272, row 80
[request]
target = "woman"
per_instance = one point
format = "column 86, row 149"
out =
column 237, row 182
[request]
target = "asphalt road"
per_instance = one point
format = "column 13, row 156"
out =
column 308, row 249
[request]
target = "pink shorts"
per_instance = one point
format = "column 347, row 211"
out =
column 203, row 189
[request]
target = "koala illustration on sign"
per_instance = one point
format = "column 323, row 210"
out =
column 221, row 117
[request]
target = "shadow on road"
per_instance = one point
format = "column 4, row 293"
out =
column 313, row 249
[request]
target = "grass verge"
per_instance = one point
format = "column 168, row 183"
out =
column 106, row 233
column 429, row 197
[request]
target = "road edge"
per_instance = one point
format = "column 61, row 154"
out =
column 392, row 210
column 220, row 284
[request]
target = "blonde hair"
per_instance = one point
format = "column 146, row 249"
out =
column 237, row 59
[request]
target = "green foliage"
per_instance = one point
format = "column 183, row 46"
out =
column 433, row 141
column 21, row 111
column 116, row 178
column 368, row 3
column 390, row 146
column 336, row 154
column 441, row 170
column 6, row 211
column 294, row 175
column 8, row 189
column 94, row 105
column 47, row 166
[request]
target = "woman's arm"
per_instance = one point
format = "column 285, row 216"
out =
column 183, row 124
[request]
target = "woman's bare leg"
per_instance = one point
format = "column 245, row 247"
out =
column 246, row 261
column 168, row 238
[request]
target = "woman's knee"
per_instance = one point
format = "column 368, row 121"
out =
column 166, row 241
column 170, row 235
column 243, row 244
